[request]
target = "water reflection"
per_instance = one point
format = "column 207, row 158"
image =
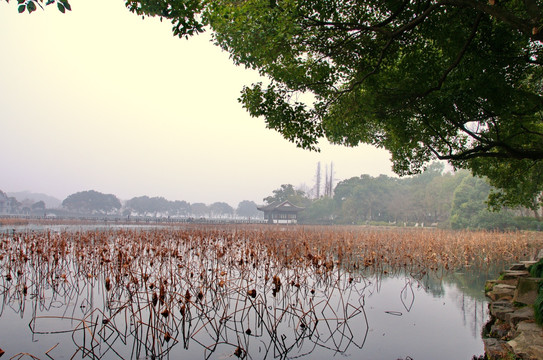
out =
column 63, row 303
column 131, row 323
column 395, row 318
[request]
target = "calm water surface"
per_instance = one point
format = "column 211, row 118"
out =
column 355, row 316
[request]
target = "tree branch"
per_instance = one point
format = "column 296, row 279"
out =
column 501, row 14
column 459, row 57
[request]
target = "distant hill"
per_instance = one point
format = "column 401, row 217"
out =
column 50, row 201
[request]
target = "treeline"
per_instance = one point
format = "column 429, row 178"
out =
column 10, row 205
column 94, row 202
column 159, row 206
column 434, row 198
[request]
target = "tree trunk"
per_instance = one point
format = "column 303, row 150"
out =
column 536, row 214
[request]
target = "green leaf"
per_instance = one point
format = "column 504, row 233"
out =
column 21, row 8
column 66, row 4
column 61, row 7
column 31, row 6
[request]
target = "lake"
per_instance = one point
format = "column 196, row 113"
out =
column 236, row 292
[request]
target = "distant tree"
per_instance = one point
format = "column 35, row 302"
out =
column 199, row 209
column 423, row 198
column 14, row 206
column 469, row 202
column 38, row 206
column 220, row 209
column 507, row 190
column 319, row 211
column 364, row 198
column 400, row 205
column 287, row 192
column 469, row 209
column 350, row 211
column 138, row 205
column 92, row 202
column 9, row 204
column 438, row 195
column 248, row 209
column 420, row 210
column 180, row 207
column 126, row 212
column 144, row 205
column 159, row 205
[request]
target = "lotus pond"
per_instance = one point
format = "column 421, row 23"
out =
column 249, row 292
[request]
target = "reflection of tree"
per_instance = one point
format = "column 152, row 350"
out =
column 433, row 285
column 472, row 283
column 470, row 298
column 466, row 290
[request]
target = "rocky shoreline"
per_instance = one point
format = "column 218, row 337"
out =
column 512, row 333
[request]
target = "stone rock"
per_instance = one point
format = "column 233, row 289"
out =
column 495, row 349
column 501, row 292
column 500, row 331
column 499, row 309
column 522, row 314
column 510, row 322
column 528, row 263
column 526, row 291
column 489, row 284
column 518, row 267
column 512, row 282
column 528, row 344
column 512, row 274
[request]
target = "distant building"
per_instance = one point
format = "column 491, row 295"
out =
column 281, row 212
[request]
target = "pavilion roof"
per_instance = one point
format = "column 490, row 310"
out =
column 284, row 206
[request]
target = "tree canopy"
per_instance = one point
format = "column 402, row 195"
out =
column 248, row 209
column 32, row 5
column 92, row 202
column 221, row 209
column 287, row 192
column 143, row 205
column 456, row 80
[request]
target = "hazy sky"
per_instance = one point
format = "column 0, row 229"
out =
column 100, row 99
